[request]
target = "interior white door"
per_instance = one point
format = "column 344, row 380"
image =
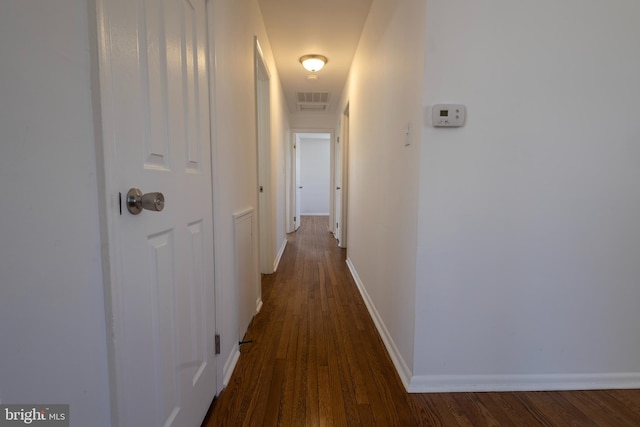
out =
column 297, row 150
column 155, row 106
column 263, row 143
column 342, row 215
column 337, row 191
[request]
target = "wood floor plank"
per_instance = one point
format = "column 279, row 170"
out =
column 569, row 413
column 508, row 408
column 422, row 413
column 476, row 410
column 629, row 398
column 312, row 394
column 270, row 417
column 544, row 415
column 337, row 399
column 324, row 395
column 458, row 412
column 300, row 375
column 316, row 359
column 595, row 409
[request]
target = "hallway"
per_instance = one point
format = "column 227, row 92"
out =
column 314, row 357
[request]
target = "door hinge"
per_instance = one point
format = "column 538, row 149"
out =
column 261, row 189
column 120, row 202
column 217, row 344
column 336, row 225
column 295, row 219
column 338, row 140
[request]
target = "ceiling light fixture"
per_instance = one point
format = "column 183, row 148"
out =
column 313, row 63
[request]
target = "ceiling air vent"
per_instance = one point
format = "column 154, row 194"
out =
column 313, row 101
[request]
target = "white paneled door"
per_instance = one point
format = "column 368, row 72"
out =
column 155, row 108
column 297, row 149
column 338, row 190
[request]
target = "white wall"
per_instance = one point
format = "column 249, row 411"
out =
column 52, row 319
column 312, row 120
column 315, row 173
column 384, row 97
column 528, row 228
column 234, row 25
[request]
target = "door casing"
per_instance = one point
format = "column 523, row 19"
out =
column 293, row 205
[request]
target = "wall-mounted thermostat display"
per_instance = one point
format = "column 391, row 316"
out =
column 448, row 115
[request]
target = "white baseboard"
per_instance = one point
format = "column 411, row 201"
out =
column 481, row 383
column 315, row 214
column 258, row 305
column 401, row 366
column 276, row 263
column 230, row 365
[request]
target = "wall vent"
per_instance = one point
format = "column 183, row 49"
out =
column 313, row 101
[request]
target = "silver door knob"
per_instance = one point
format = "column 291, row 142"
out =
column 136, row 201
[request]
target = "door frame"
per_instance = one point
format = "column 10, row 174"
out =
column 262, row 79
column 290, row 178
column 215, row 183
column 110, row 198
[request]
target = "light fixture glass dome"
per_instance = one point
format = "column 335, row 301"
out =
column 313, row 63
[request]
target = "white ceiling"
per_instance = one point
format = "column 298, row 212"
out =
column 327, row 27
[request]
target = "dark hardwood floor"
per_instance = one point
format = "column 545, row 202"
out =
column 316, row 359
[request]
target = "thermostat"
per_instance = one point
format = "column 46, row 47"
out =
column 448, row 115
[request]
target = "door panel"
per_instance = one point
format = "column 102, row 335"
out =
column 337, row 191
column 298, row 184
column 263, row 148
column 342, row 194
column 154, row 95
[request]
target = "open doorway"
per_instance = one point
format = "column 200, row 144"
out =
column 311, row 174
